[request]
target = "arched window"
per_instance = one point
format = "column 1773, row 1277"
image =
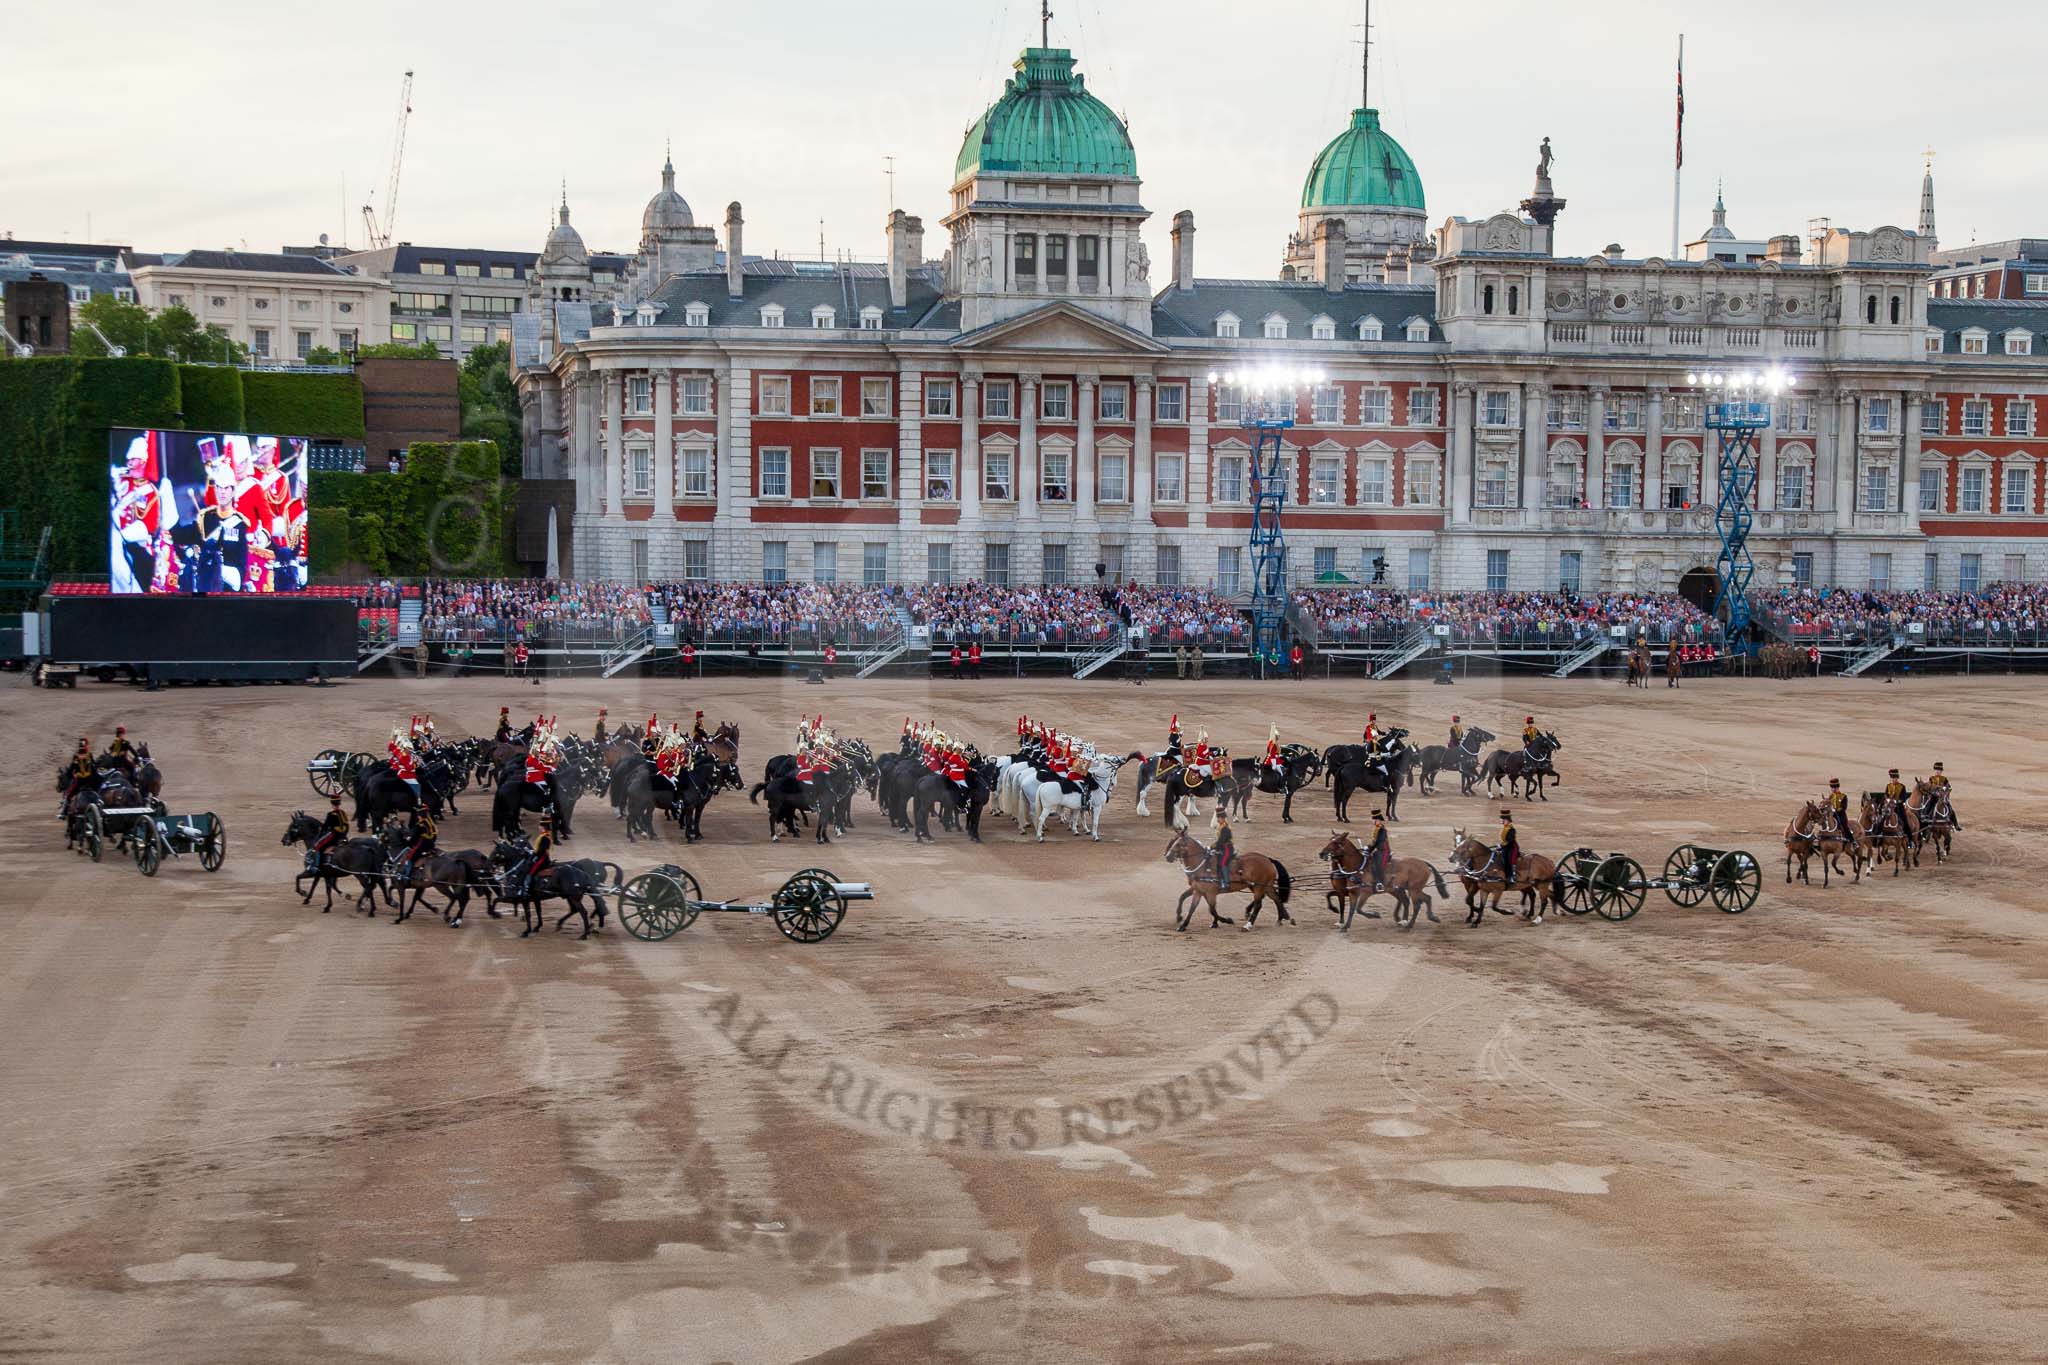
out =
column 1870, row 309
column 1514, row 299
column 1486, row 300
column 1895, row 310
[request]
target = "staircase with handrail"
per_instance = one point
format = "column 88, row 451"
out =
column 1583, row 655
column 627, row 652
column 1112, row 649
column 1411, row 647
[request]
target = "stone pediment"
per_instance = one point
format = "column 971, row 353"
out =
column 1056, row 328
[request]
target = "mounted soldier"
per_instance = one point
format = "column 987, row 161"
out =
column 83, row 772
column 503, row 734
column 598, row 733
column 1223, row 848
column 424, row 832
column 538, row 860
column 1273, row 759
column 1173, row 738
column 697, row 733
column 1510, row 853
column 1202, row 762
column 650, row 739
column 124, row 754
column 1379, row 852
column 543, row 756
column 1939, row 781
column 333, row 830
column 1895, row 791
column 405, row 764
column 1836, row 804
column 1530, row 734
column 1457, row 734
column 1373, row 735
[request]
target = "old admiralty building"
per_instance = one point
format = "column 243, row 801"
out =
column 1029, row 393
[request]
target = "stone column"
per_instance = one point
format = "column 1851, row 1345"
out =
column 1196, row 475
column 614, row 446
column 1596, row 443
column 1767, row 466
column 1534, row 457
column 1084, row 451
column 1460, row 491
column 582, row 462
column 909, row 479
column 1652, row 490
column 1141, row 453
column 664, row 453
column 1909, row 476
column 1845, row 463
column 732, row 474
column 967, row 464
column 1026, row 472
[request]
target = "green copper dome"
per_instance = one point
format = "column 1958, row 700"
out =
column 1363, row 166
column 1046, row 122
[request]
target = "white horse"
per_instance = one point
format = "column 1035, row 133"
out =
column 1077, row 807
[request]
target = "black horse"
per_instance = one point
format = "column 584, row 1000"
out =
column 1523, row 769
column 828, row 796
column 571, row 882
column 1435, row 758
column 1299, row 767
column 381, row 793
column 516, row 795
column 455, row 875
column 1388, row 772
column 362, row 859
column 934, row 791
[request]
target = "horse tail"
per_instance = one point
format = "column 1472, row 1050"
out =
column 1441, row 889
column 754, row 796
column 1286, row 888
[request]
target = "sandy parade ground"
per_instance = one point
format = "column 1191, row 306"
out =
column 1007, row 1112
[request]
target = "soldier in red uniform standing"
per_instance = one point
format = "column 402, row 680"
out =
column 974, row 658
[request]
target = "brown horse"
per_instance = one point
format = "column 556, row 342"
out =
column 1937, row 821
column 1253, row 872
column 1674, row 667
column 1478, row 866
column 1812, row 833
column 1639, row 666
column 1406, row 880
column 1894, row 831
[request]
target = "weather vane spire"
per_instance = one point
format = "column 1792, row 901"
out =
column 1045, row 23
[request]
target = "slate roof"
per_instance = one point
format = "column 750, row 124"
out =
column 800, row 286
column 1996, row 316
column 274, row 262
column 1193, row 312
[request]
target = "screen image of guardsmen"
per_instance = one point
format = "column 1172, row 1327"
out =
column 140, row 558
column 240, row 512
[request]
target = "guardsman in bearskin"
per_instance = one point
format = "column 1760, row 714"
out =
column 332, row 831
column 597, row 735
column 1224, row 849
column 1457, row 734
column 83, row 773
column 1273, row 760
column 1378, row 852
column 1939, row 781
column 503, row 734
column 1836, row 804
column 1529, row 731
column 1510, row 845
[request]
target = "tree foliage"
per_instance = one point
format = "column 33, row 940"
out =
column 169, row 334
column 490, row 404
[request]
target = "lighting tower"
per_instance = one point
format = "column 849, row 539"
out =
column 1738, row 407
column 1267, row 403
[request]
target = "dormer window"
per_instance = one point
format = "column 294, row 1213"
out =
column 2019, row 343
column 697, row 315
column 1369, row 328
column 871, row 319
column 644, row 315
column 1226, row 324
column 1274, row 327
column 1417, row 329
column 1976, row 341
column 823, row 316
column 1321, row 328
column 771, row 316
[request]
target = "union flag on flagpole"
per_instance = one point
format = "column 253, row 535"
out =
column 1681, row 100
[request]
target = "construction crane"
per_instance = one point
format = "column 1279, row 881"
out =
column 380, row 236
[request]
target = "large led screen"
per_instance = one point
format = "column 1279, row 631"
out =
column 206, row 512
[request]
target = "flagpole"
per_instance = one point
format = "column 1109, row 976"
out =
column 1678, row 161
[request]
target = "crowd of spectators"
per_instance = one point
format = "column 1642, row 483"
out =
column 473, row 611
column 2015, row 612
column 839, row 611
column 1366, row 614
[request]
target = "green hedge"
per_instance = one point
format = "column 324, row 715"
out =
column 327, row 534
column 449, row 512
column 212, row 396
column 280, row 403
column 55, row 412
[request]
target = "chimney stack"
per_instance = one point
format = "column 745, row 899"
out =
column 1397, row 264
column 1184, row 250
column 1784, row 250
column 914, row 249
column 896, row 232
column 1330, row 254
column 733, row 269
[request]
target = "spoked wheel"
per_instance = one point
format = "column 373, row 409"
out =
column 326, row 775
column 1685, row 881
column 807, row 908
column 353, row 767
column 658, row 905
column 147, row 856
column 1735, row 882
column 95, row 832
column 1578, row 895
column 1618, row 888
column 213, row 850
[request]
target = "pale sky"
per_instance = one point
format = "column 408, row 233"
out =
column 212, row 124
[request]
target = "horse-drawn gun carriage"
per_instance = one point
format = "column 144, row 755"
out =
column 334, row 771
column 1614, row 885
column 93, row 826
column 666, row 900
column 161, row 836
